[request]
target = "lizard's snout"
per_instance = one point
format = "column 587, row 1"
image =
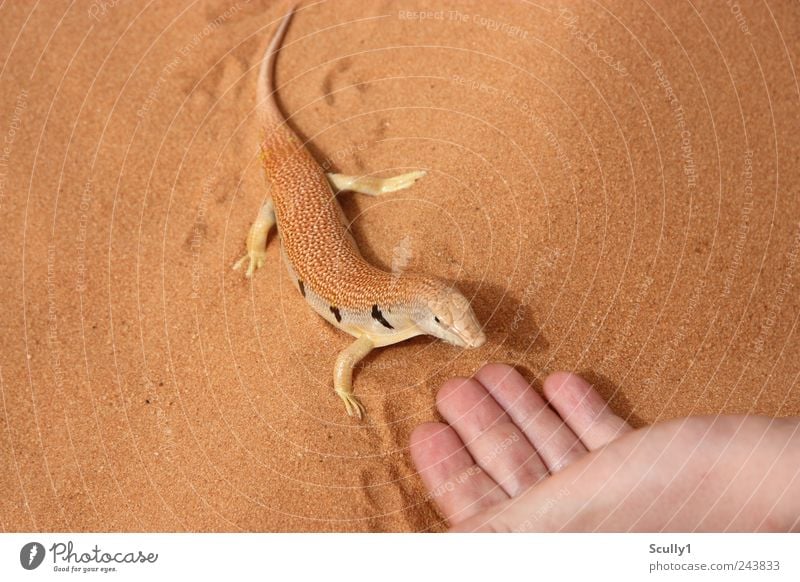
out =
column 448, row 315
column 478, row 340
column 472, row 339
column 468, row 332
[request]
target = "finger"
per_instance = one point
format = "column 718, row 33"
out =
column 556, row 443
column 584, row 410
column 494, row 441
column 458, row 486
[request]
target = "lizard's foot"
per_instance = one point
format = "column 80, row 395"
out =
column 257, row 239
column 372, row 185
column 256, row 258
column 400, row 182
column 352, row 404
column 343, row 374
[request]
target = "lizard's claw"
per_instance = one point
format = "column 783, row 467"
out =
column 352, row 404
column 257, row 259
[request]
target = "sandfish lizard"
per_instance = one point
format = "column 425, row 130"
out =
column 377, row 307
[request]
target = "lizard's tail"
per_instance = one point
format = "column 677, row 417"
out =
column 265, row 92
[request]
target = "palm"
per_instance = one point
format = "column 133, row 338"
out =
column 509, row 460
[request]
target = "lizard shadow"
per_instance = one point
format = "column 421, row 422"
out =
column 508, row 322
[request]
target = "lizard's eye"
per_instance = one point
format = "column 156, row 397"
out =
column 436, row 319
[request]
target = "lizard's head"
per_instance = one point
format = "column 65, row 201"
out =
column 445, row 313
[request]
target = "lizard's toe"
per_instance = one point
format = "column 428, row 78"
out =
column 256, row 261
column 238, row 264
column 352, row 405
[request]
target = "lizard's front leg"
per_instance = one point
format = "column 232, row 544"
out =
column 372, row 185
column 343, row 374
column 257, row 239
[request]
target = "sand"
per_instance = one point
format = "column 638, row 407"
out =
column 615, row 186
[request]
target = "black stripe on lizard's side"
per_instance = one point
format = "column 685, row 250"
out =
column 336, row 314
column 302, row 287
column 378, row 316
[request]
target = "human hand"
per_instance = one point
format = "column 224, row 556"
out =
column 509, row 460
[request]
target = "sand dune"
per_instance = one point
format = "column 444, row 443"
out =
column 616, row 190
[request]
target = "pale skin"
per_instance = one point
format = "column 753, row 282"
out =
column 508, row 459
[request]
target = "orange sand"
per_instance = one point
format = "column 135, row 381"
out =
column 636, row 222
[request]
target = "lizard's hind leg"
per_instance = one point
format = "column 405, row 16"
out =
column 372, row 185
column 257, row 239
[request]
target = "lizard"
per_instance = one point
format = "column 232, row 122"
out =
column 377, row 307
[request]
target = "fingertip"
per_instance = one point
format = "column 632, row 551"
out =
column 450, row 390
column 493, row 374
column 563, row 384
column 495, row 368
